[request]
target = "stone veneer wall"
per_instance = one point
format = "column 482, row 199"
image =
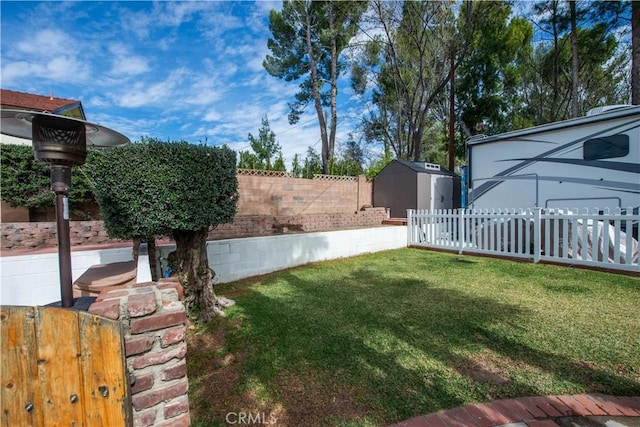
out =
column 36, row 235
column 154, row 325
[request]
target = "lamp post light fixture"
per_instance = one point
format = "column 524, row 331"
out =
column 61, row 142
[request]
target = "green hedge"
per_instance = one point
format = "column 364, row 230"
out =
column 27, row 182
column 155, row 188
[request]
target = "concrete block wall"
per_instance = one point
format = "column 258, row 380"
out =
column 10, row 214
column 283, row 196
column 266, row 225
column 258, row 195
column 154, row 325
column 34, row 280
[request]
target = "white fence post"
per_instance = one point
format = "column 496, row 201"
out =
column 537, row 223
column 410, row 227
column 461, row 236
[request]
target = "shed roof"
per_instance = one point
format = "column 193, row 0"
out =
column 29, row 101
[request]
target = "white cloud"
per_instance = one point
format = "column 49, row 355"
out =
column 262, row 8
column 202, row 96
column 159, row 94
column 97, row 102
column 174, row 70
column 58, row 69
column 176, row 13
column 124, row 63
column 66, row 67
column 138, row 23
column 13, row 72
column 45, row 43
column 48, row 55
column 212, row 116
column 129, row 65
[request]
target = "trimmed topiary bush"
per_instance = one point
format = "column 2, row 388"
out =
column 152, row 188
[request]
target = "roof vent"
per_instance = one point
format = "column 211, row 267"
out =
column 432, row 166
column 605, row 108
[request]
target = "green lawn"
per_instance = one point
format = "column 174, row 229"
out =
column 380, row 338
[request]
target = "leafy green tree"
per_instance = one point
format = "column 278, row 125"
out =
column 27, row 182
column 265, row 145
column 556, row 74
column 151, row 189
column 248, row 160
column 489, row 78
column 547, row 93
column 408, row 65
column 379, row 163
column 296, row 167
column 352, row 159
column 279, row 165
column 309, row 38
column 312, row 164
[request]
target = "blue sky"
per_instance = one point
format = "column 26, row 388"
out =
column 167, row 69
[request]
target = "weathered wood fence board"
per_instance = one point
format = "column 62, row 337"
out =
column 19, row 375
column 62, row 367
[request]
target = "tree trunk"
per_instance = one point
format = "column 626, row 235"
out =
column 635, row 53
column 334, row 87
column 190, row 264
column 574, row 59
column 316, row 94
column 556, row 66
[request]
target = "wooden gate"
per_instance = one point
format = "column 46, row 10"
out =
column 62, row 367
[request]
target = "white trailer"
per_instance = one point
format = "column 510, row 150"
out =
column 587, row 162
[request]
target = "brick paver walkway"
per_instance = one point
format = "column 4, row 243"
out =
column 543, row 411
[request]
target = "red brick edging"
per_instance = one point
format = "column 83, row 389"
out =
column 538, row 411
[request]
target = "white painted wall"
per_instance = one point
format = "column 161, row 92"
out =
column 33, row 280
column 236, row 259
column 8, row 139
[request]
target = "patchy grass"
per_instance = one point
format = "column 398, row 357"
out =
column 380, row 338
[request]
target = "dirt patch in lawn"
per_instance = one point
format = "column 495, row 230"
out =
column 219, row 394
column 214, row 374
column 488, row 367
column 309, row 400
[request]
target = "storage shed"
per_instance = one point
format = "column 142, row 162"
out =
column 403, row 185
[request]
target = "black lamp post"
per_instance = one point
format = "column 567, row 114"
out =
column 61, row 142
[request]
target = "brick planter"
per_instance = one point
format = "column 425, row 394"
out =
column 154, row 325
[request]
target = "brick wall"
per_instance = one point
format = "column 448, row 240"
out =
column 154, row 325
column 36, row 235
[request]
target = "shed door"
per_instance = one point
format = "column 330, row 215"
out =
column 441, row 192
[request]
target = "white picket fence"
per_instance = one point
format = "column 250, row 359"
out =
column 595, row 238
